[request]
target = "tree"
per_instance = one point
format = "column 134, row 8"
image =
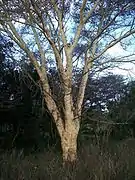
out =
column 122, row 112
column 99, row 118
column 52, row 31
column 99, row 91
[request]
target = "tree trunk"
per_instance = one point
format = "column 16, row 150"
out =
column 69, row 143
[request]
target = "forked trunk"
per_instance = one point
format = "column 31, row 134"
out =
column 68, row 128
column 69, row 144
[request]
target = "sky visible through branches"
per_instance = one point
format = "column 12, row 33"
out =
column 127, row 68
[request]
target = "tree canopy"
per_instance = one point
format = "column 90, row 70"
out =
column 67, row 35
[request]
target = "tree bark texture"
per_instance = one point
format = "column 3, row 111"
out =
column 69, row 143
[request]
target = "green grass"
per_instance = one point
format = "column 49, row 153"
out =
column 116, row 161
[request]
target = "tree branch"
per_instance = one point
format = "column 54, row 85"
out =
column 23, row 45
column 114, row 42
column 43, row 77
column 82, row 22
column 88, row 65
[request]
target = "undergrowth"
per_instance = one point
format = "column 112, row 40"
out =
column 114, row 162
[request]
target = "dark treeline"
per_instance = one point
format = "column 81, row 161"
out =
column 22, row 115
column 25, row 122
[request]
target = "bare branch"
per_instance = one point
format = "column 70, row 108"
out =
column 111, row 123
column 82, row 22
column 23, row 45
column 91, row 11
column 114, row 42
column 101, row 30
column 47, row 92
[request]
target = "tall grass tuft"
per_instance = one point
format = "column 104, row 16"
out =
column 115, row 162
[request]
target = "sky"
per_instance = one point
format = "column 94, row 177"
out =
column 126, row 69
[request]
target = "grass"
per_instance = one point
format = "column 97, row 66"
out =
column 116, row 161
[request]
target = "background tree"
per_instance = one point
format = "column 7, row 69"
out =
column 122, row 112
column 101, row 96
column 50, row 37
